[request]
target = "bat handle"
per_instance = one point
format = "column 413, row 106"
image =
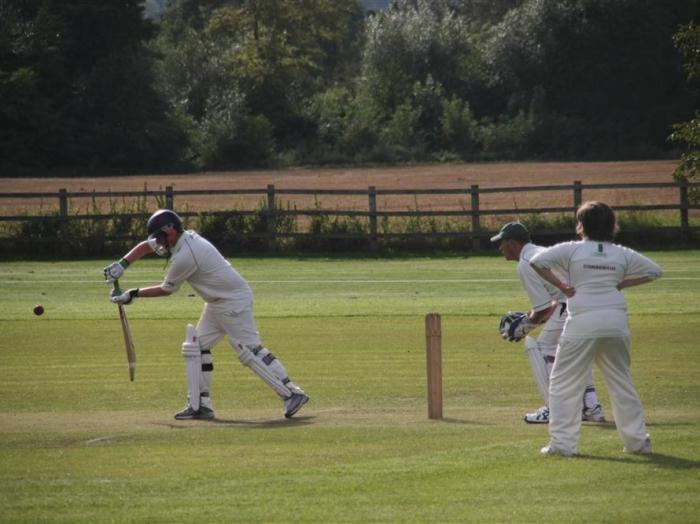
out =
column 117, row 288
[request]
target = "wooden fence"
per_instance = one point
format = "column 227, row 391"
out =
column 476, row 233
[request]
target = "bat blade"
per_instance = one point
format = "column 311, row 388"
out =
column 128, row 342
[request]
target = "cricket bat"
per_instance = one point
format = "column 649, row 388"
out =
column 128, row 341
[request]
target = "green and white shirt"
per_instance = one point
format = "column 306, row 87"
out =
column 595, row 269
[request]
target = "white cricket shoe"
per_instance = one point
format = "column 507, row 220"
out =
column 644, row 450
column 541, row 416
column 551, row 450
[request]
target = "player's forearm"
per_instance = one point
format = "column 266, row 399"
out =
column 153, row 292
column 539, row 317
column 139, row 251
column 550, row 277
column 547, row 274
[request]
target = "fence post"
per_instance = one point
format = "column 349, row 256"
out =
column 578, row 195
column 63, row 202
column 271, row 217
column 476, row 226
column 169, row 198
column 685, row 224
column 372, row 196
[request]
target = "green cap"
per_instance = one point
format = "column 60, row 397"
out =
column 513, row 230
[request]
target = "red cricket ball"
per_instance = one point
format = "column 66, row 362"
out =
column 38, row 310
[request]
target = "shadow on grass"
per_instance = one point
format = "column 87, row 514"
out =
column 655, row 459
column 449, row 420
column 610, row 424
column 244, row 423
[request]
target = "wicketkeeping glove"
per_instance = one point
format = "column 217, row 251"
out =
column 124, row 298
column 520, row 327
column 115, row 270
column 514, row 326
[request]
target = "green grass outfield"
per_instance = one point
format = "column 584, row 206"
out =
column 80, row 443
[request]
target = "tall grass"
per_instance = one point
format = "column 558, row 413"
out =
column 54, row 235
column 256, row 231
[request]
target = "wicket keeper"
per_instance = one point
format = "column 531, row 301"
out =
column 228, row 311
column 548, row 308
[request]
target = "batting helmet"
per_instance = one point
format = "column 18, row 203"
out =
column 161, row 220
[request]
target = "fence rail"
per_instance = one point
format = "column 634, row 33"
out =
column 168, row 197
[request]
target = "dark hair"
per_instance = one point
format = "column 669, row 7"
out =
column 596, row 221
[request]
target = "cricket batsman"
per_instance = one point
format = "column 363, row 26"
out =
column 548, row 308
column 228, row 311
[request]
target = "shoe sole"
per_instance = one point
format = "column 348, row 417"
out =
column 290, row 414
column 535, row 421
column 195, row 417
column 640, row 452
column 556, row 453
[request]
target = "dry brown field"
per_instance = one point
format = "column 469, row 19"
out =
column 487, row 175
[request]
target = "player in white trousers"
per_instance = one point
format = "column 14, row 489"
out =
column 228, row 311
column 597, row 327
column 548, row 308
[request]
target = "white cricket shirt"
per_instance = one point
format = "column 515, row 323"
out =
column 195, row 260
column 594, row 269
column 539, row 291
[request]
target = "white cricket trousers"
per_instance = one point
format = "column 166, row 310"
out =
column 548, row 338
column 548, row 341
column 573, row 360
column 228, row 318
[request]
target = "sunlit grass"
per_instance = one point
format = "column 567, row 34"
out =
column 80, row 443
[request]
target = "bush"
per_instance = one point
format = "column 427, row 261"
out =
column 336, row 225
column 508, row 138
column 458, row 128
column 232, row 230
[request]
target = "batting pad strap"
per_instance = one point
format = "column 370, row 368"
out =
column 264, row 365
column 207, row 364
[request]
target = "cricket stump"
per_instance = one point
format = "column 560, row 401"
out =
column 433, row 353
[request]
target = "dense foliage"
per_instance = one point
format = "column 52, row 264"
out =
column 688, row 41
column 77, row 88
column 212, row 84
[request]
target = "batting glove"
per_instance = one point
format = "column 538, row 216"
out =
column 520, row 327
column 124, row 298
column 115, row 270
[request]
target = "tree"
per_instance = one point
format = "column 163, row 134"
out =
column 77, row 87
column 420, row 69
column 687, row 40
column 606, row 67
column 267, row 58
column 409, row 43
